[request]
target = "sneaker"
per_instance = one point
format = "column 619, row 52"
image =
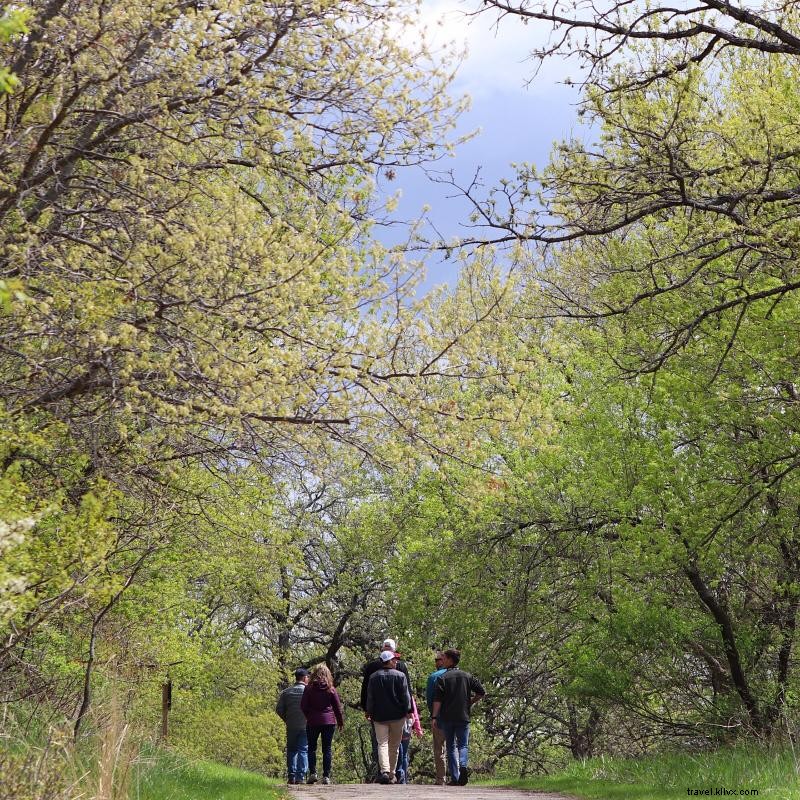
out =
column 326, row 780
column 291, row 782
column 384, row 778
column 463, row 776
column 312, row 778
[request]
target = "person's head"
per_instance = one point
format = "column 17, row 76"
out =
column 451, row 657
column 301, row 675
column 389, row 644
column 322, row 675
column 388, row 659
column 438, row 659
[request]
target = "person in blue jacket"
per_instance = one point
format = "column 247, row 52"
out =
column 438, row 736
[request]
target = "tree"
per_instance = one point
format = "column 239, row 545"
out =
column 596, row 32
column 186, row 200
column 662, row 281
column 695, row 157
column 202, row 189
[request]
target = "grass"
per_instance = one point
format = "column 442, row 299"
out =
column 109, row 767
column 775, row 774
column 169, row 777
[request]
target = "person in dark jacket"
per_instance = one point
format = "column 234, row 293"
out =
column 389, row 645
column 388, row 706
column 288, row 709
column 323, row 711
column 373, row 666
column 454, row 694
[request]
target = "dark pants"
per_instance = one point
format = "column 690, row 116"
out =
column 314, row 732
column 456, row 737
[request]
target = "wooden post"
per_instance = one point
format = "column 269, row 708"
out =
column 166, row 705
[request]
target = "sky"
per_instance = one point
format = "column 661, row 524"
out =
column 518, row 117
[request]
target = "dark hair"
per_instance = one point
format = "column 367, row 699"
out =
column 453, row 654
column 300, row 672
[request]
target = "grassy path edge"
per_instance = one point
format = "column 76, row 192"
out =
column 772, row 773
column 166, row 776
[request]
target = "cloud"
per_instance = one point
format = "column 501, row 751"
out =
column 498, row 50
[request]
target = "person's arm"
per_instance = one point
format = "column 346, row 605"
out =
column 416, row 722
column 407, row 699
column 280, row 707
column 369, row 701
column 476, row 690
column 364, row 684
column 429, row 691
column 437, row 705
column 304, row 702
column 404, row 669
column 337, row 708
column 438, row 696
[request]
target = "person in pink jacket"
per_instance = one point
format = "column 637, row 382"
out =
column 324, row 714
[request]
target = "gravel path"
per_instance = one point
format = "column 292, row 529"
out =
column 372, row 791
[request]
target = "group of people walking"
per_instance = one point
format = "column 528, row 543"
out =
column 312, row 711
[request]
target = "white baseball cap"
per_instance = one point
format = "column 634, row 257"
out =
column 389, row 644
column 387, row 655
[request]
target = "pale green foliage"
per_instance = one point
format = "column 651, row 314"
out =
column 203, row 257
column 186, row 200
column 241, row 731
column 12, row 23
column 44, row 539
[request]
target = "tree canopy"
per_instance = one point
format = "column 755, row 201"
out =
column 237, row 437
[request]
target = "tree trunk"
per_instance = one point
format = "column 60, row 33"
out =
column 166, row 706
column 86, row 698
column 720, row 615
column 581, row 740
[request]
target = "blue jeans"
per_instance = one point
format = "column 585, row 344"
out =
column 401, row 772
column 296, row 754
column 456, row 739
